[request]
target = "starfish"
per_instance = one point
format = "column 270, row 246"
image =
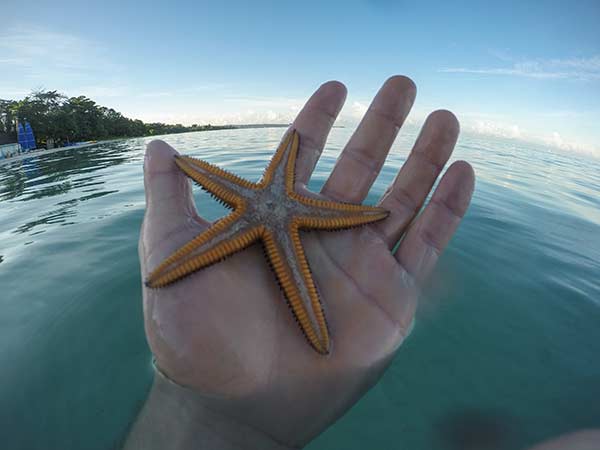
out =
column 273, row 212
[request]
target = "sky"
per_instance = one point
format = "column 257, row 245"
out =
column 520, row 69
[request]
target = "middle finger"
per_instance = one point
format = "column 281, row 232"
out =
column 362, row 158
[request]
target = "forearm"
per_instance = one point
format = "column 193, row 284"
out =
column 176, row 418
column 579, row 440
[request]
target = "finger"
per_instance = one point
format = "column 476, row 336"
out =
column 405, row 196
column 168, row 191
column 429, row 234
column 313, row 125
column 362, row 158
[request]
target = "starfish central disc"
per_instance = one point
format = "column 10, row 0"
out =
column 270, row 211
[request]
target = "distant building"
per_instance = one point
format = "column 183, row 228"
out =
column 9, row 145
column 7, row 150
column 8, row 138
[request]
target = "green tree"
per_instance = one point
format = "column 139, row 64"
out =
column 53, row 115
column 40, row 109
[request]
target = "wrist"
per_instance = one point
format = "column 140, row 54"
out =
column 179, row 418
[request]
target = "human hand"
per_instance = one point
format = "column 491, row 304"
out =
column 226, row 331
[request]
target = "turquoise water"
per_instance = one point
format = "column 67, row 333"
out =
column 506, row 344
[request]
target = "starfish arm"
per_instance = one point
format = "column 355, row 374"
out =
column 321, row 204
column 289, row 145
column 290, row 265
column 206, row 249
column 224, row 185
column 323, row 219
column 340, row 207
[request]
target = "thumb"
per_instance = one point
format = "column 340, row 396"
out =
column 169, row 200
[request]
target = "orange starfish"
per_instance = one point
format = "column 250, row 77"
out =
column 273, row 212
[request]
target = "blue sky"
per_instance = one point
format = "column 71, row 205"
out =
column 520, row 69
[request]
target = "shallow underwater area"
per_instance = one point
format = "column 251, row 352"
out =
column 505, row 348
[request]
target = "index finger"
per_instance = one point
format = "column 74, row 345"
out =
column 313, row 124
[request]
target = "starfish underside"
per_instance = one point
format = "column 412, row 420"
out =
column 270, row 211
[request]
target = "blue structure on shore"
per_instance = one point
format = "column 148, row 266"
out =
column 25, row 137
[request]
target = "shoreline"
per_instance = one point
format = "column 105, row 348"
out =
column 43, row 151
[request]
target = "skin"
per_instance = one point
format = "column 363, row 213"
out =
column 579, row 440
column 226, row 334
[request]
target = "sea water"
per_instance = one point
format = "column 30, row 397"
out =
column 506, row 347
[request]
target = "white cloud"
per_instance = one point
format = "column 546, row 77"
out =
column 498, row 127
column 243, row 110
column 12, row 94
column 238, row 118
column 491, row 128
column 38, row 58
column 205, row 87
column 109, row 90
column 284, row 103
column 585, row 64
column 358, row 109
column 284, row 110
column 231, row 109
column 38, row 50
column 186, row 91
column 583, row 69
column 12, row 61
column 156, row 94
column 555, row 139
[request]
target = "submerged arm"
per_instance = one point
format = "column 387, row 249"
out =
column 177, row 418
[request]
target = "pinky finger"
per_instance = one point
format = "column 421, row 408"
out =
column 431, row 231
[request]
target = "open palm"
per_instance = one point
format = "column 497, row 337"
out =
column 226, row 331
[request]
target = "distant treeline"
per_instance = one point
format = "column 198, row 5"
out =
column 52, row 115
